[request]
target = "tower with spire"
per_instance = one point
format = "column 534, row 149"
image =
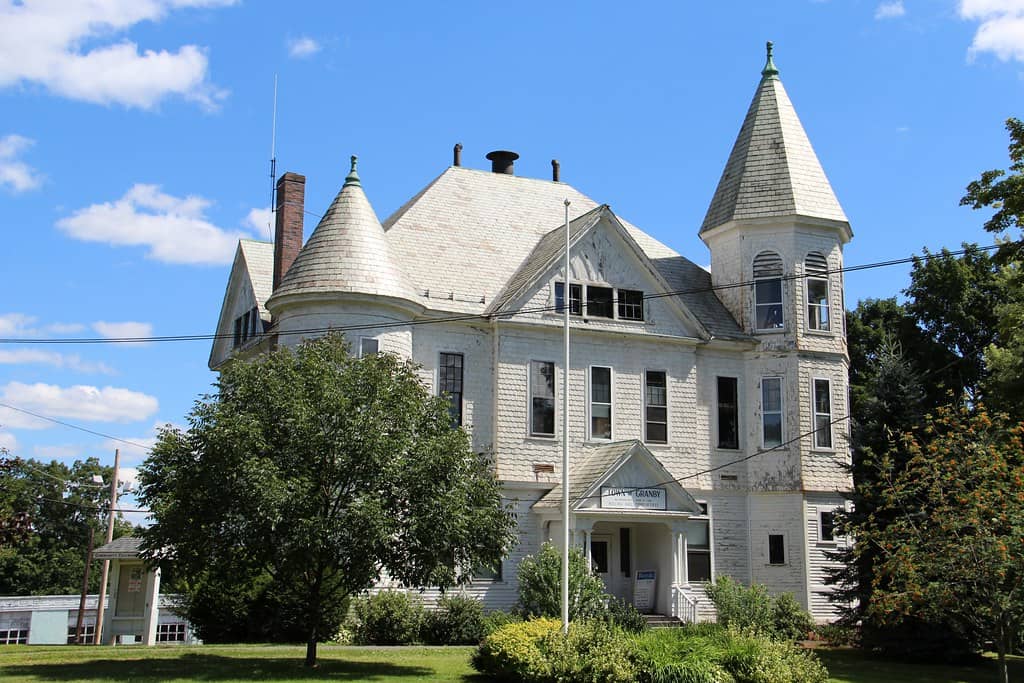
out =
column 774, row 224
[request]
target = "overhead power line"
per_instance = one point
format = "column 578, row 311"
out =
column 478, row 316
column 73, row 426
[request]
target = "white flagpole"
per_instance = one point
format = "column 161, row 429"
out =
column 566, row 301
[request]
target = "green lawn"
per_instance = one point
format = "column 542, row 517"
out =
column 227, row 663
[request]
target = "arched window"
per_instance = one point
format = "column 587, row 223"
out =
column 768, row 291
column 816, row 270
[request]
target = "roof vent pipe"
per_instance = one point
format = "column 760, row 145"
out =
column 502, row 161
column 556, row 171
column 457, row 152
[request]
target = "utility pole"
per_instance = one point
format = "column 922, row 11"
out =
column 85, row 588
column 97, row 637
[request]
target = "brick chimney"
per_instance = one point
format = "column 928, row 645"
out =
column 291, row 202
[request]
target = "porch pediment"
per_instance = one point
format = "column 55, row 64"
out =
column 621, row 478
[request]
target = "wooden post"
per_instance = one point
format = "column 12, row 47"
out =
column 85, row 588
column 105, row 572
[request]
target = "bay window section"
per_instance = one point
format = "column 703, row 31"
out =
column 542, row 398
column 600, row 403
column 655, row 407
column 771, row 412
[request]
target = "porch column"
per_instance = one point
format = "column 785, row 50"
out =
column 152, row 610
column 587, row 550
column 684, row 552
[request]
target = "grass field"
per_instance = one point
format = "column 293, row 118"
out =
column 228, row 663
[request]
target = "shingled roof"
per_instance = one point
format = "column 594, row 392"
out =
column 772, row 170
column 468, row 234
column 347, row 252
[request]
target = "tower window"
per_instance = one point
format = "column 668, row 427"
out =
column 816, row 269
column 768, row 291
column 822, row 413
column 771, row 411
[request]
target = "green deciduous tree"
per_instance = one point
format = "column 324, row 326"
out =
column 49, row 509
column 1003, row 191
column 540, row 581
column 306, row 477
column 951, row 546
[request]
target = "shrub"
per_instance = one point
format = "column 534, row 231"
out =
column 492, row 621
column 837, row 634
column 790, row 620
column 540, row 580
column 624, row 615
column 749, row 609
column 457, row 620
column 753, row 610
column 756, row 659
column 387, row 618
column 538, row 652
column 713, row 654
column 513, row 652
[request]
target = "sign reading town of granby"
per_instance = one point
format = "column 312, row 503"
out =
column 629, row 498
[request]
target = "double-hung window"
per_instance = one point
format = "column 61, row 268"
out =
column 449, row 383
column 816, row 270
column 768, row 291
column 827, row 526
column 822, row 413
column 368, row 346
column 655, row 407
column 631, row 304
column 771, row 412
column 698, row 546
column 600, row 403
column 728, row 413
column 542, row 398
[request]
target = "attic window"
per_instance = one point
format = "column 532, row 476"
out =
column 247, row 326
column 601, row 302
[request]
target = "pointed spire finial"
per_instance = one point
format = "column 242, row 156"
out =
column 352, row 178
column 769, row 70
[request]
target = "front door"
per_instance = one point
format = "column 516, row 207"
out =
column 600, row 558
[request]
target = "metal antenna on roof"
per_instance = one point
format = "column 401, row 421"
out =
column 273, row 165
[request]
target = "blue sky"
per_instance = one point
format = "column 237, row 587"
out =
column 135, row 138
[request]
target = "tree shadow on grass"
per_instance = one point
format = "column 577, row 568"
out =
column 210, row 667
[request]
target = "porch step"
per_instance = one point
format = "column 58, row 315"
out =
column 662, row 621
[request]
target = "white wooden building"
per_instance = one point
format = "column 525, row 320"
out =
column 708, row 429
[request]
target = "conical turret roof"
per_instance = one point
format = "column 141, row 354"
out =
column 772, row 170
column 348, row 252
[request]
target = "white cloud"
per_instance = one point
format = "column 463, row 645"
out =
column 16, row 325
column 69, row 48
column 9, row 442
column 66, row 452
column 302, row 47
column 260, row 221
column 123, row 330
column 1002, row 28
column 79, row 402
column 890, row 10
column 14, row 173
column 52, row 358
column 174, row 228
